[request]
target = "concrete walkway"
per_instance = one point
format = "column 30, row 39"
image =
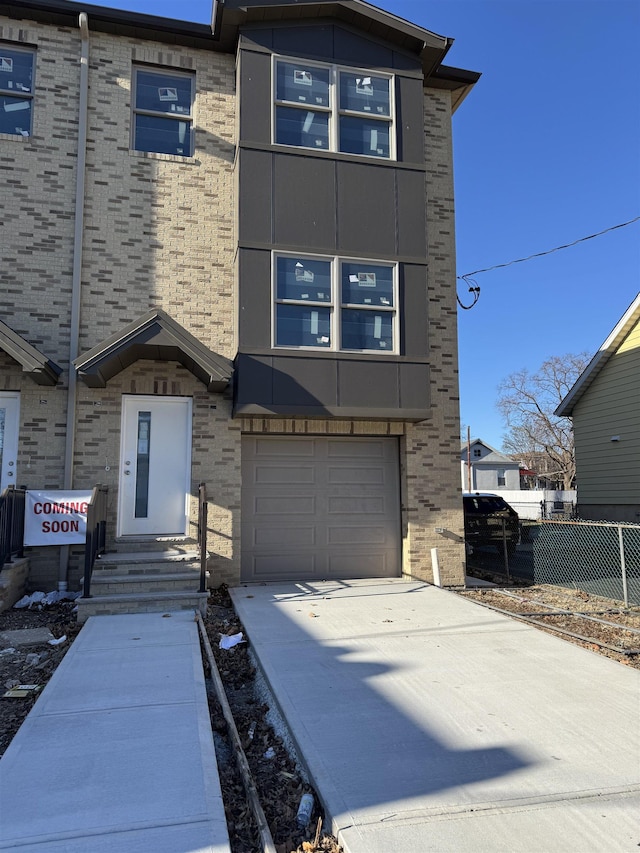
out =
column 117, row 754
column 429, row 723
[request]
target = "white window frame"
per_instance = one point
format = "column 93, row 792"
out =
column 19, row 95
column 335, row 305
column 334, row 110
column 136, row 111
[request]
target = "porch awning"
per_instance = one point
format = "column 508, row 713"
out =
column 41, row 369
column 158, row 337
column 526, row 472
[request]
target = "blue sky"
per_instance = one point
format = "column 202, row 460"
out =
column 547, row 151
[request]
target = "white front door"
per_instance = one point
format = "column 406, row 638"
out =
column 9, row 425
column 155, row 466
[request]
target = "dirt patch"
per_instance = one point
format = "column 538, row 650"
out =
column 595, row 619
column 33, row 664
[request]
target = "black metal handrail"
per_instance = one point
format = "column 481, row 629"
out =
column 96, row 533
column 202, row 534
column 12, row 502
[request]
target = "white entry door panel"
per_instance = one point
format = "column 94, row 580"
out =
column 155, row 466
column 9, row 425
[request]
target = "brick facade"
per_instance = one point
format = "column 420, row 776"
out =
column 160, row 232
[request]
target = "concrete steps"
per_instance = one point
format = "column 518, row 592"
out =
column 150, row 576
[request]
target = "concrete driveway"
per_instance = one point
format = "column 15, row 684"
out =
column 429, row 723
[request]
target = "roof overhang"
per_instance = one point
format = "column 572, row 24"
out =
column 116, row 21
column 458, row 81
column 431, row 48
column 158, row 337
column 232, row 14
column 41, row 369
column 228, row 16
column 608, row 348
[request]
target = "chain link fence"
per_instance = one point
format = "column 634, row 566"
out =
column 600, row 558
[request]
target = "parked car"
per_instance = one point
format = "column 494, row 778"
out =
column 489, row 520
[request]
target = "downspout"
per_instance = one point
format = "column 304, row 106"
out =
column 76, row 281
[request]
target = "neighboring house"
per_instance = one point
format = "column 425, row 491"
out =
column 537, row 471
column 228, row 257
column 604, row 405
column 485, row 469
column 522, row 488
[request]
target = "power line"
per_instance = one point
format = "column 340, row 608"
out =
column 474, row 288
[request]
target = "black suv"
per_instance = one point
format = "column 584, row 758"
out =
column 488, row 520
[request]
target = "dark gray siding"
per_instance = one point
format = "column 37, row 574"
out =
column 410, row 119
column 254, row 185
column 255, row 97
column 318, row 41
column 311, row 202
column 254, row 326
column 320, row 204
column 366, row 210
column 413, row 310
column 411, row 221
column 331, row 385
column 328, row 42
column 304, row 202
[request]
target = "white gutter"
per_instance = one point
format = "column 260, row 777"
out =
column 74, row 335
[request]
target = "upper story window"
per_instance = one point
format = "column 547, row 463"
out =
column 329, row 108
column 163, row 111
column 335, row 304
column 16, row 90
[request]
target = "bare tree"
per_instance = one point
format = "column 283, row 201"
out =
column 527, row 402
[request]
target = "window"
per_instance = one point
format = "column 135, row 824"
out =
column 163, row 112
column 333, row 109
column 502, row 477
column 335, row 304
column 16, row 90
column 477, row 452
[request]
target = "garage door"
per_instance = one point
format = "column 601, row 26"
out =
column 319, row 508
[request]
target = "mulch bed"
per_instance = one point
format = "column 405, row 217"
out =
column 278, row 779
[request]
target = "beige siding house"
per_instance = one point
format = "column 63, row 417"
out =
column 604, row 404
column 186, row 298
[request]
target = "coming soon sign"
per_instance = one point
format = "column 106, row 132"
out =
column 56, row 518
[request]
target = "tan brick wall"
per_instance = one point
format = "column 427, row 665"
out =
column 159, row 232
column 36, row 205
column 432, row 448
column 36, row 212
